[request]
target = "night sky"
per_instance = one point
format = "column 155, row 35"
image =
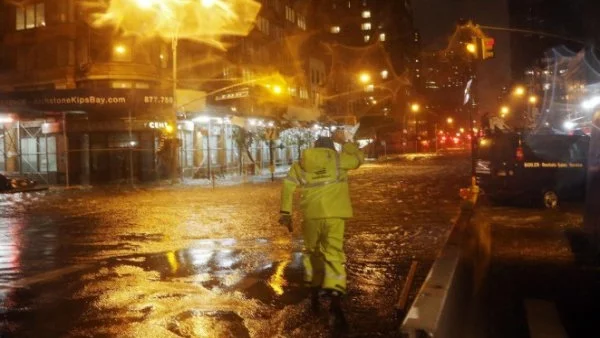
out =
column 436, row 20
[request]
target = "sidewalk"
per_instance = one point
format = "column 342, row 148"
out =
column 262, row 176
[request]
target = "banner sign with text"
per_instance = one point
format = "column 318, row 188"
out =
column 86, row 100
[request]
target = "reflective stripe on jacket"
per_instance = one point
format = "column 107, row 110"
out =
column 322, row 176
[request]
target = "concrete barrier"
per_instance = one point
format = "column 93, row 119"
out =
column 441, row 305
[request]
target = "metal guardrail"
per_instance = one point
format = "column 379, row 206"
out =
column 442, row 302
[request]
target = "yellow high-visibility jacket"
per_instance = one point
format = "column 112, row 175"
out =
column 322, row 175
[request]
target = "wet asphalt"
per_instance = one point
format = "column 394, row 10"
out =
column 193, row 261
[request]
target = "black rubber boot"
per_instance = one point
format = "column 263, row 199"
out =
column 337, row 319
column 315, row 305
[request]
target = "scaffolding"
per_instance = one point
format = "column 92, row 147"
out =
column 27, row 151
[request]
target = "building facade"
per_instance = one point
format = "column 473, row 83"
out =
column 373, row 53
column 84, row 104
column 81, row 105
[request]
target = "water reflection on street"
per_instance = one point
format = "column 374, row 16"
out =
column 197, row 262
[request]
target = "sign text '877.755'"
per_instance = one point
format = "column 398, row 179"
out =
column 159, row 99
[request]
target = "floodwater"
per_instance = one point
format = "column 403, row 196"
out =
column 192, row 261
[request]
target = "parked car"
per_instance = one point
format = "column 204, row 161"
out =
column 546, row 169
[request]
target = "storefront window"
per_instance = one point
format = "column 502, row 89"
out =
column 38, row 154
column 47, row 157
column 122, row 140
column 188, row 149
column 29, row 155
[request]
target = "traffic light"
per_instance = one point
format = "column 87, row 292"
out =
column 474, row 47
column 487, row 48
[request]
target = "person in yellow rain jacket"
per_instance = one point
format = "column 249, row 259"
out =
column 322, row 176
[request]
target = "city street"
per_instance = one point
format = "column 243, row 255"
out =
column 192, row 261
column 534, row 270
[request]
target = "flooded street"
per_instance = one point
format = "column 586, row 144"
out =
column 192, row 261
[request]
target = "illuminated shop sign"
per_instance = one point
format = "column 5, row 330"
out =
column 157, row 125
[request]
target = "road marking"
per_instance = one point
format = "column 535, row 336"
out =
column 543, row 319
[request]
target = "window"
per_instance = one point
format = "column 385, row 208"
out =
column 263, row 25
column 301, row 22
column 303, row 93
column 62, row 10
column 366, row 26
column 142, row 85
column 366, row 14
column 38, row 154
column 121, row 84
column 335, row 29
column 382, row 37
column 278, row 32
column 290, row 15
column 367, row 38
column 30, row 16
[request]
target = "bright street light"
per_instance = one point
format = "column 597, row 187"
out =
column 120, row 49
column 6, row 119
column 569, row 125
column 364, row 78
column 415, row 107
column 504, row 110
column 450, row 120
column 519, row 91
column 533, row 99
column 145, row 4
column 277, row 90
column 208, row 3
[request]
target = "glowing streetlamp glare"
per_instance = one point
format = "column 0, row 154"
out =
column 519, row 91
column 120, row 49
column 208, row 3
column 450, row 120
column 415, row 107
column 145, row 4
column 533, row 99
column 364, row 78
column 277, row 90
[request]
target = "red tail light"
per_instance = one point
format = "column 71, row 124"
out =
column 519, row 155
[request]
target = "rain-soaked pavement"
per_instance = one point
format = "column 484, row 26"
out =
column 535, row 256
column 191, row 261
